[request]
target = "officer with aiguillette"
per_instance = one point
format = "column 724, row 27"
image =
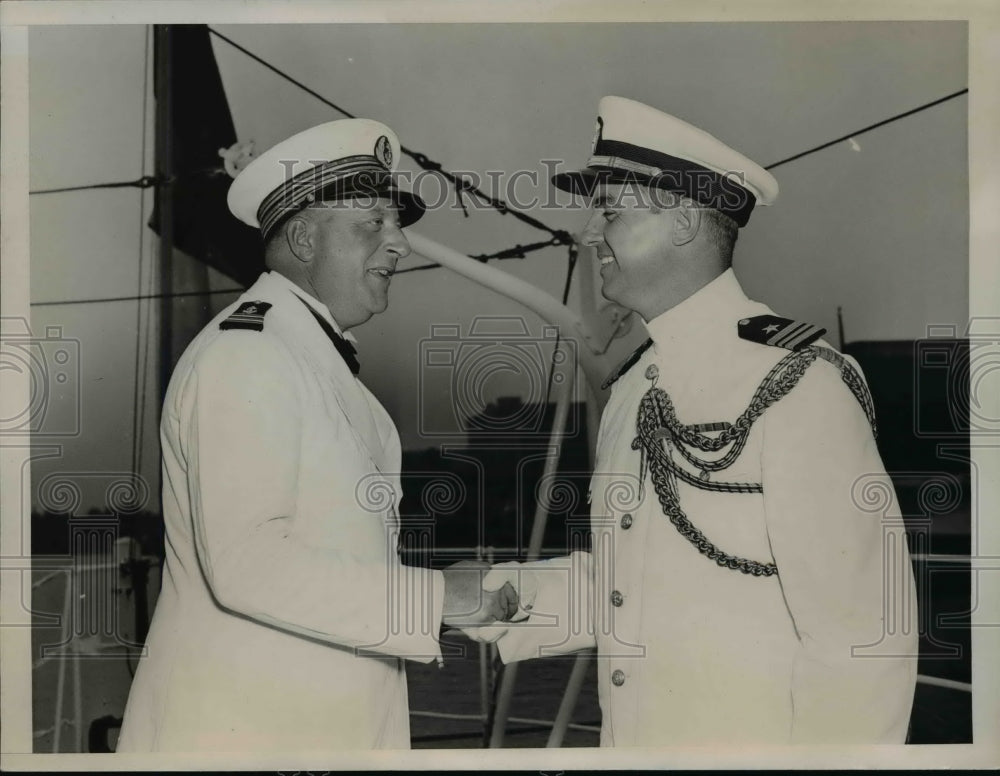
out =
column 749, row 580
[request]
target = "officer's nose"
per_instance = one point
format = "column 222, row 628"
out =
column 593, row 232
column 397, row 244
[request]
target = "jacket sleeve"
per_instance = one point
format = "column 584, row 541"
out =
column 240, row 418
column 561, row 618
column 837, row 538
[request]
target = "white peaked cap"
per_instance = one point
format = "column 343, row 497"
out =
column 335, row 160
column 635, row 143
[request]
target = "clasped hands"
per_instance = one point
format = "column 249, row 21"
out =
column 477, row 594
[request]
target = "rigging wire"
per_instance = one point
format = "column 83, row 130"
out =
column 139, row 297
column 870, row 127
column 461, row 184
column 145, row 182
column 517, row 252
column 281, row 73
column 559, row 237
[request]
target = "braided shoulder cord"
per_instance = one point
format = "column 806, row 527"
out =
column 657, row 420
column 702, row 483
column 779, row 381
column 665, row 484
column 656, row 416
column 854, row 382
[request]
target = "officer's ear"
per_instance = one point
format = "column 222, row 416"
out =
column 299, row 234
column 687, row 221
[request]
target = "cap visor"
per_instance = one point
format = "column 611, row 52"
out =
column 411, row 207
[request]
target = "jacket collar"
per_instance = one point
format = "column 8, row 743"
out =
column 279, row 282
column 706, row 317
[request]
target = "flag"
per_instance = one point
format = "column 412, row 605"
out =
column 200, row 127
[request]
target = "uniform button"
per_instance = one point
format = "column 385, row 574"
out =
column 626, row 521
column 617, row 599
column 618, row 677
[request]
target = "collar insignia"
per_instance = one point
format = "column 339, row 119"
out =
column 625, row 365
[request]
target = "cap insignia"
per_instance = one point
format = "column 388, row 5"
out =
column 383, row 151
column 598, row 132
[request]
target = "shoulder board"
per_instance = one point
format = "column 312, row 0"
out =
column 779, row 332
column 625, row 365
column 249, row 315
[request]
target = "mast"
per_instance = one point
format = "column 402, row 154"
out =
column 164, row 196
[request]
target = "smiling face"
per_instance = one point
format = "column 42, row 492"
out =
column 631, row 233
column 355, row 246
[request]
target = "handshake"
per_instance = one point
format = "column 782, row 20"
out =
column 477, row 594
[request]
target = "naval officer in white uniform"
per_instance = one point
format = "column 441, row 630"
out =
column 285, row 613
column 748, row 580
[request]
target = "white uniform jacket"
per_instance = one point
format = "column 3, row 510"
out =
column 284, row 610
column 691, row 652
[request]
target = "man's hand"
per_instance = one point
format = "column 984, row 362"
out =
column 522, row 579
column 525, row 585
column 466, row 604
